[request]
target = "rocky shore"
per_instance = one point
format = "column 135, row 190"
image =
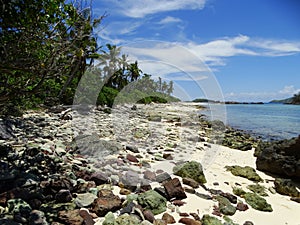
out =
column 143, row 164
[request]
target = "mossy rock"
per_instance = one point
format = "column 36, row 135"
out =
column 257, row 202
column 258, row 189
column 153, row 201
column 225, row 206
column 246, row 172
column 238, row 191
column 192, row 170
column 210, row 220
column 286, row 187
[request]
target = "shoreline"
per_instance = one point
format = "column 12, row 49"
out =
column 152, row 138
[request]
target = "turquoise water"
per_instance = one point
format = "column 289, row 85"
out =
column 268, row 121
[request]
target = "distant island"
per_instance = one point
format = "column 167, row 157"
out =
column 223, row 102
column 295, row 100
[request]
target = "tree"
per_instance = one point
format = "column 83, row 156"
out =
column 296, row 99
column 44, row 49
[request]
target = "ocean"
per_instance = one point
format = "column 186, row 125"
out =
column 266, row 121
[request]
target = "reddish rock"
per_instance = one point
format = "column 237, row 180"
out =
column 184, row 214
column 99, row 178
column 169, row 219
column 149, row 175
column 71, row 217
column 216, row 211
column 189, row 221
column 196, row 216
column 106, row 202
column 178, row 202
column 131, row 158
column 242, row 207
column 174, row 189
column 149, row 215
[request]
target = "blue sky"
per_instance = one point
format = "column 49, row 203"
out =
column 242, row 50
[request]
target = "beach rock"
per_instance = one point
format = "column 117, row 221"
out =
column 189, row 221
column 99, row 178
column 149, row 175
column 174, row 189
column 70, row 217
column 153, row 201
column 248, row 223
column 84, row 199
column 210, row 220
column 279, row 157
column 246, row 172
column 192, row 170
column 132, row 158
column 178, row 202
column 190, row 182
column 63, row 196
column 106, row 202
column 87, row 216
column 19, row 206
column 132, row 148
column 126, row 219
column 149, row 215
column 37, row 218
column 6, row 131
column 286, row 187
column 159, row 222
column 257, row 202
column 241, row 206
column 196, row 216
column 238, row 191
column 163, row 177
column 109, row 219
column 232, row 198
column 258, row 189
column 169, row 219
column 155, row 118
column 225, row 206
column 296, row 199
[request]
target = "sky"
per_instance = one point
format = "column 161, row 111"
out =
column 233, row 50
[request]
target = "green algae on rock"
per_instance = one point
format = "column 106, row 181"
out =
column 192, row 170
column 286, row 187
column 258, row 189
column 225, row 206
column 210, row 220
column 246, row 172
column 153, row 201
column 257, row 202
column 238, row 191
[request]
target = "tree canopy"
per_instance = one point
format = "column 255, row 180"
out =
column 46, row 48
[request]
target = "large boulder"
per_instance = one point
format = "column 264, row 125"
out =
column 192, row 170
column 279, row 157
column 153, row 201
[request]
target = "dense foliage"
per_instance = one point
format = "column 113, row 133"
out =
column 44, row 49
column 48, row 46
column 296, row 99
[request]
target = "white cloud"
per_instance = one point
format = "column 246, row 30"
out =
column 169, row 19
column 276, row 47
column 286, row 92
column 289, row 90
column 142, row 8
